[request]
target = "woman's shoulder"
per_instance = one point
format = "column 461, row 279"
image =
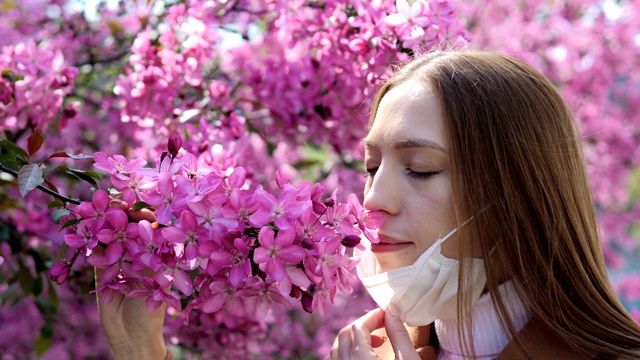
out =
column 541, row 342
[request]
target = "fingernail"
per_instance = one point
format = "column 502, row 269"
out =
column 393, row 310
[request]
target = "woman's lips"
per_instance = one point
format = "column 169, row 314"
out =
column 383, row 247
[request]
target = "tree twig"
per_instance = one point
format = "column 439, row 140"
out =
column 103, row 60
column 43, row 188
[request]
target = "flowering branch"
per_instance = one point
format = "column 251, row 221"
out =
column 249, row 248
column 43, row 188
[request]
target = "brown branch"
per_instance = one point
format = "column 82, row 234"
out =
column 43, row 188
column 104, row 60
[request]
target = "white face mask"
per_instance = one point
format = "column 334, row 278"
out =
column 424, row 291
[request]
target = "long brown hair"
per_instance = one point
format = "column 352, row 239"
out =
column 517, row 168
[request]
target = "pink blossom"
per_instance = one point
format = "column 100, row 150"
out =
column 121, row 236
column 187, row 236
column 96, row 210
column 261, row 295
column 174, row 275
column 213, row 218
column 274, row 252
column 241, row 205
column 227, row 296
column 151, row 245
column 283, row 211
column 368, row 221
column 163, row 198
column 117, row 166
column 410, row 20
column 322, row 267
column 109, row 290
column 236, row 255
column 342, row 220
column 309, row 228
column 132, row 187
column 85, row 235
column 154, row 295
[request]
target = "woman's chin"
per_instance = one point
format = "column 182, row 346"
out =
column 387, row 261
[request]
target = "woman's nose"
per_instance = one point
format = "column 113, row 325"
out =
column 383, row 192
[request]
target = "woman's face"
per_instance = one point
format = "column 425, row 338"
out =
column 409, row 181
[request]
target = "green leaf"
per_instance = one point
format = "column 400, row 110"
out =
column 139, row 205
column 24, row 278
column 45, row 305
column 82, row 176
column 8, row 145
column 47, row 330
column 53, row 296
column 62, row 252
column 58, row 214
column 61, row 168
column 54, row 204
column 41, row 345
column 38, row 285
column 37, row 260
column 11, row 293
column 93, row 174
column 70, row 223
column 29, row 177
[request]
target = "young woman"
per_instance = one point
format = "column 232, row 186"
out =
column 489, row 246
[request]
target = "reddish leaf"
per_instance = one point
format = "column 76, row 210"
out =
column 51, row 186
column 29, row 177
column 34, row 142
column 67, row 155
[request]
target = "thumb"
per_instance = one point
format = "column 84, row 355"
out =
column 398, row 336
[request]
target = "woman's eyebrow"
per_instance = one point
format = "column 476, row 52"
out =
column 406, row 144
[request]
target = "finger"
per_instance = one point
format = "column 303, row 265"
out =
column 372, row 320
column 344, row 343
column 398, row 335
column 333, row 355
column 97, row 271
column 360, row 337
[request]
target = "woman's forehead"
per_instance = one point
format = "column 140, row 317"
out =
column 409, row 115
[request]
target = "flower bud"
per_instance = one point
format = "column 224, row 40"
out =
column 307, row 243
column 223, row 338
column 307, row 302
column 174, row 145
column 318, row 208
column 329, row 202
column 59, row 272
column 350, row 241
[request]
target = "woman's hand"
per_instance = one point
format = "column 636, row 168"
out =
column 132, row 331
column 355, row 341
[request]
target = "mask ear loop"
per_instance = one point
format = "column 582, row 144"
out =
column 449, row 234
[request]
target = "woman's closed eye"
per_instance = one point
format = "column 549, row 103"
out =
column 421, row 175
column 369, row 172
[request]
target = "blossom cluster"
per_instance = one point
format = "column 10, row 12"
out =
column 33, row 85
column 290, row 95
column 221, row 245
